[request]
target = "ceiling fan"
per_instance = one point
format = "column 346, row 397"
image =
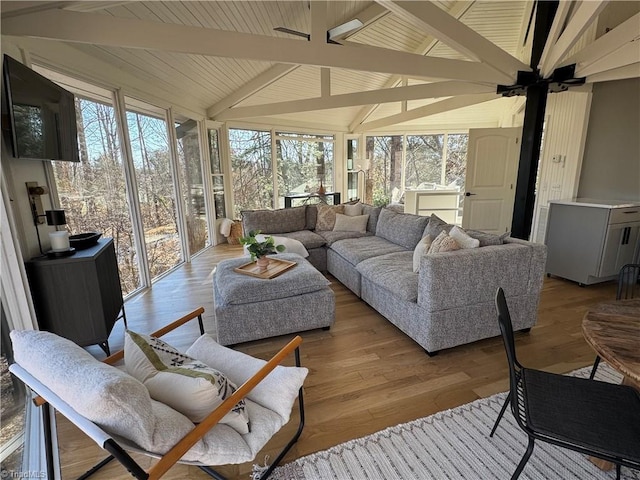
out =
column 332, row 33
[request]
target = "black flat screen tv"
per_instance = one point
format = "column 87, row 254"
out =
column 38, row 116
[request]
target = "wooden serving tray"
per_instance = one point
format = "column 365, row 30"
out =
column 275, row 268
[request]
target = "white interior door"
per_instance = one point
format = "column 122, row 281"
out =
column 492, row 167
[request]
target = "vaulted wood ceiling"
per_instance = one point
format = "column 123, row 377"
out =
column 410, row 64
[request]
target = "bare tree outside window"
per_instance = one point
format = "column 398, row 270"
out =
column 303, row 163
column 423, row 167
column 93, row 192
column 192, row 185
column 385, row 166
column 157, row 198
column 251, row 169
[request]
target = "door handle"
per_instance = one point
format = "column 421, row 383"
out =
column 468, row 194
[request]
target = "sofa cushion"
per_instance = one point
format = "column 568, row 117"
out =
column 353, row 210
column 374, row 214
column 308, row 239
column 312, row 217
column 275, row 221
column 435, row 226
column 351, row 223
column 327, row 216
column 238, row 289
column 355, row 250
column 331, row 237
column 393, row 272
column 402, row 229
column 185, row 384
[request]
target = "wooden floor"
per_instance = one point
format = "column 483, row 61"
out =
column 365, row 374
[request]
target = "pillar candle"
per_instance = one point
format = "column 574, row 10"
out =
column 59, row 241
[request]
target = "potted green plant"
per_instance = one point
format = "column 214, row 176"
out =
column 260, row 249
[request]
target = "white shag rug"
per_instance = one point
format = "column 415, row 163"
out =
column 453, row 444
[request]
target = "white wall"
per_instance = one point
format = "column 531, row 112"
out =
column 611, row 166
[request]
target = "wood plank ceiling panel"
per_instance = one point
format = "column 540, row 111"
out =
column 499, row 22
column 303, row 82
column 208, row 79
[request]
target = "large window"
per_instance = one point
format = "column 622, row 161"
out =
column 156, row 194
column 192, row 185
column 217, row 174
column 423, row 167
column 93, row 192
column 251, row 169
column 305, row 163
column 385, row 167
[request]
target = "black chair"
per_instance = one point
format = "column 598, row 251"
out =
column 594, row 418
column 628, row 287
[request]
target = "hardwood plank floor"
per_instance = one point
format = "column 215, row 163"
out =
column 365, row 375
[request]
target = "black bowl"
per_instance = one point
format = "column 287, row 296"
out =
column 82, row 241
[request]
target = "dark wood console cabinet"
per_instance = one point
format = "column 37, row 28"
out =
column 78, row 297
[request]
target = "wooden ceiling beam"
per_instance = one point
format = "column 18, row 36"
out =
column 413, row 92
column 436, row 22
column 628, row 54
column 559, row 22
column 584, row 16
column 627, row 32
column 446, row 105
column 132, row 33
column 622, row 73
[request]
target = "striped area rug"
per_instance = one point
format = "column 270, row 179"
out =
column 453, row 444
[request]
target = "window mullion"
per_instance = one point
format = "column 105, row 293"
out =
column 274, row 169
column 443, row 175
column 207, row 180
column 132, row 189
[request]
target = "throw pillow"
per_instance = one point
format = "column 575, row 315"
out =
column 421, row 249
column 185, row 384
column 327, row 216
column 353, row 210
column 435, row 226
column 463, row 239
column 346, row 223
column 443, row 243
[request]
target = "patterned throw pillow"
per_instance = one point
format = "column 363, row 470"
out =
column 185, row 384
column 327, row 217
column 443, row 243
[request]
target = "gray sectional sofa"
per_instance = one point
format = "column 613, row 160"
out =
column 448, row 302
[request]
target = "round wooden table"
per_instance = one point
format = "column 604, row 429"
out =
column 613, row 331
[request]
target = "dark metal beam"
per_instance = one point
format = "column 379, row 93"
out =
column 532, row 128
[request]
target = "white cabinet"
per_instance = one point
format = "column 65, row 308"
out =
column 588, row 241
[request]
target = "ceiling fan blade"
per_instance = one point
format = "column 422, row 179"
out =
column 292, row 32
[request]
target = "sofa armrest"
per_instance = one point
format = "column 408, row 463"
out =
column 472, row 276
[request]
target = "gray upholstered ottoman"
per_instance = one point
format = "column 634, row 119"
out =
column 248, row 308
